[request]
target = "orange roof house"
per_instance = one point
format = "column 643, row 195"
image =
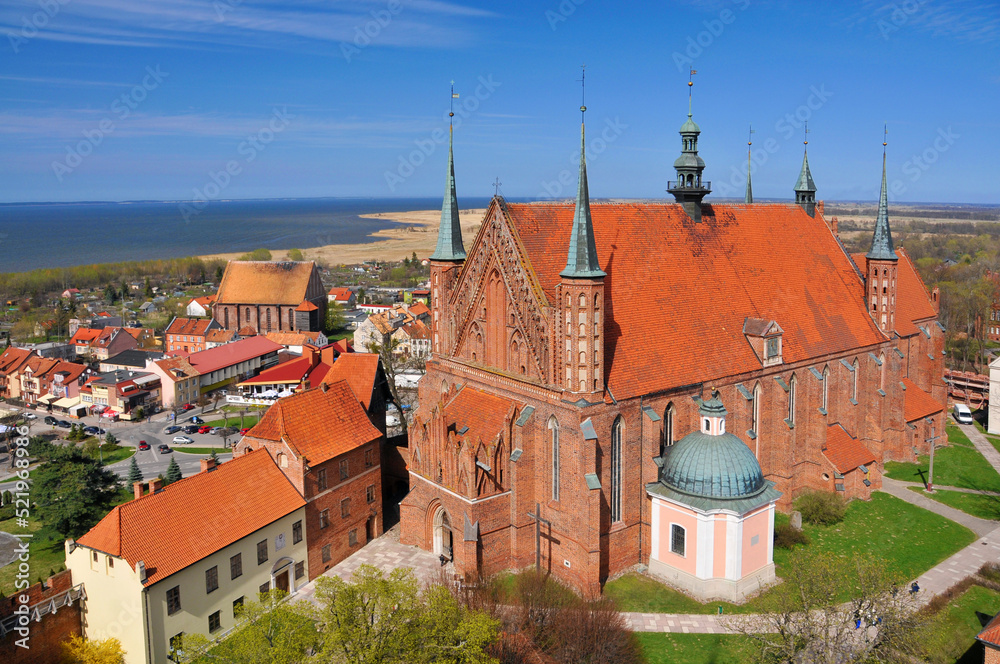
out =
column 270, row 296
column 345, row 297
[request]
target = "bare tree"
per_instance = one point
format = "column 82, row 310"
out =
column 394, row 362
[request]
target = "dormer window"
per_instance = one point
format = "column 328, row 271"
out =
column 765, row 339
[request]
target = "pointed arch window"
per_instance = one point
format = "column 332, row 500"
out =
column 793, row 384
column 854, row 382
column 668, row 428
column 755, row 407
column 826, row 389
column 617, row 431
column 554, row 429
column 882, row 364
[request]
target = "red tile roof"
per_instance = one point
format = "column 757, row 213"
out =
column 193, row 326
column 710, row 277
column 12, row 359
column 137, row 332
column 359, row 370
column 291, row 372
column 419, row 309
column 306, row 306
column 84, row 336
column 484, row 414
column 341, row 294
column 177, row 364
column 264, row 282
column 293, row 338
column 918, row 404
column 317, row 424
column 343, row 346
column 210, row 360
column 246, row 331
column 913, row 302
column 219, row 336
column 844, row 451
column 205, row 300
column 170, row 530
column 991, row 633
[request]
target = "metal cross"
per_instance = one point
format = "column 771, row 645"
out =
column 537, row 516
column 496, row 187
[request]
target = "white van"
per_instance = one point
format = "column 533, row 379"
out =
column 962, row 414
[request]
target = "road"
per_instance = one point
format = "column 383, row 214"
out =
column 151, row 462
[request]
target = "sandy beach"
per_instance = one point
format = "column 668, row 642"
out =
column 414, row 231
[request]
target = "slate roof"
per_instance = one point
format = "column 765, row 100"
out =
column 170, row 530
column 844, row 451
column 918, row 404
column 133, row 358
column 265, row 282
column 318, row 424
column 360, row 370
column 657, row 259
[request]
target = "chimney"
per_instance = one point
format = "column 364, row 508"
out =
column 207, row 465
column 819, row 208
column 834, row 224
column 312, row 353
column 155, row 485
column 137, row 488
column 328, row 354
column 324, row 387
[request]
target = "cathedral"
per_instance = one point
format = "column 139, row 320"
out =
column 574, row 344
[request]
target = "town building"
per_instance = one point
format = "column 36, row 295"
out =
column 200, row 307
column 180, row 382
column 271, row 297
column 294, row 342
column 323, row 441
column 53, row 349
column 281, row 380
column 220, row 337
column 46, row 382
column 573, row 343
column 130, row 360
column 231, row 363
column 189, row 334
column 345, row 297
column 990, row 638
column 175, row 569
column 405, row 325
column 366, row 376
column 12, row 360
column 122, row 394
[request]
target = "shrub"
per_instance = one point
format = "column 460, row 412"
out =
column 821, row 508
column 786, row 537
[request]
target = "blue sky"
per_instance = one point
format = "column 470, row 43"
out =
column 158, row 99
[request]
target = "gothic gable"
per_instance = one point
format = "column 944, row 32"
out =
column 497, row 307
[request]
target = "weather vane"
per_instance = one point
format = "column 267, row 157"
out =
column 690, row 85
column 451, row 108
column 750, row 137
column 583, row 91
column 805, row 134
column 885, row 136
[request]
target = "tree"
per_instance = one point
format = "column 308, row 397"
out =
column 110, row 439
column 173, row 471
column 140, row 413
column 148, row 290
column 80, row 651
column 393, row 362
column 269, row 631
column 805, row 620
column 214, row 456
column 134, row 473
column 110, row 294
column 334, row 318
column 388, row 620
column 72, row 492
column 219, row 271
column 295, row 254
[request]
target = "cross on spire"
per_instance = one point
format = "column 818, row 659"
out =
column 496, row 186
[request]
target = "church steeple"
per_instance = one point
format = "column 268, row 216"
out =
column 882, row 247
column 748, row 198
column 582, row 260
column 881, row 265
column 805, row 188
column 449, row 244
column 689, row 189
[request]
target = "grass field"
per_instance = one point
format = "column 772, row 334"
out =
column 202, row 450
column 688, row 648
column 985, row 507
column 961, row 621
column 910, row 539
column 959, row 465
column 234, row 421
column 45, row 555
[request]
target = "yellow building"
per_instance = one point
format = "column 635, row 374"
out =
column 180, row 560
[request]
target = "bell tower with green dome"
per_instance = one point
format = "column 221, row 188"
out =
column 689, row 189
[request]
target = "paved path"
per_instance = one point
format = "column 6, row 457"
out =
column 975, row 524
column 984, row 446
column 957, row 489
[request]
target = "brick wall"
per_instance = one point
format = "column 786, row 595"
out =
column 45, row 638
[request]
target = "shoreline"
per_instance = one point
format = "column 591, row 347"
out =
column 414, row 232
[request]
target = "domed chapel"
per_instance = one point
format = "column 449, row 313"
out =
column 571, row 415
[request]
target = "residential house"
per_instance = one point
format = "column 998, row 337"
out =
column 82, row 339
column 345, row 297
column 130, row 360
column 283, row 379
column 220, row 337
column 990, row 638
column 56, row 349
column 122, row 393
column 144, row 336
column 421, row 295
column 174, row 568
column 111, row 341
column 70, row 294
column 364, row 373
column 271, row 297
column 11, row 362
column 322, row 440
column 45, row 381
column 200, row 307
column 188, row 334
column 179, row 381
column 412, row 335
column 295, row 341
column 148, row 308
column 229, row 364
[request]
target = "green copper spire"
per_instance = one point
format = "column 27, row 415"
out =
column 582, row 260
column 805, row 182
column 449, row 245
column 748, row 198
column 882, row 247
column 805, row 188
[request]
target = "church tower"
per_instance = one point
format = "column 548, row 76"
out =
column 581, row 297
column 449, row 256
column 805, row 188
column 880, row 265
column 689, row 189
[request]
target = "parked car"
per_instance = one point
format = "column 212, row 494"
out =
column 244, row 430
column 173, row 428
column 182, row 440
column 193, row 428
column 143, row 446
column 63, row 424
column 187, row 406
column 92, row 431
column 30, row 416
column 215, row 430
column 962, row 413
column 50, row 420
column 204, row 429
column 197, row 420
column 165, row 449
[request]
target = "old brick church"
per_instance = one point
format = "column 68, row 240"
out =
column 573, row 345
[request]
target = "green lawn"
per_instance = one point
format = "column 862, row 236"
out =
column 234, row 422
column 985, row 507
column 45, row 555
column 959, row 465
column 203, row 450
column 661, row 648
column 959, row 623
column 994, row 441
column 116, row 455
column 957, row 437
column 910, row 539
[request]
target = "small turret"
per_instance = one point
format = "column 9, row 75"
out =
column 689, row 189
column 805, row 188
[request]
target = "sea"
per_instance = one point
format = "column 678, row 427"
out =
column 52, row 235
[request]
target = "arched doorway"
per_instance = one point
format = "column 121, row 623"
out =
column 281, row 575
column 442, row 534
